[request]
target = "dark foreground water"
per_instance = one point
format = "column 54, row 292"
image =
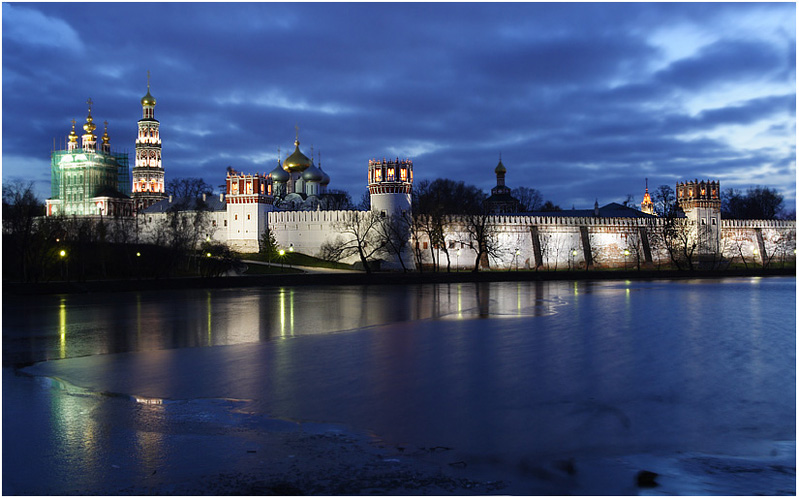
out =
column 696, row 378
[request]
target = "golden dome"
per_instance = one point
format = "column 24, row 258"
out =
column 73, row 137
column 297, row 162
column 105, row 135
column 89, row 126
column 148, row 100
column 500, row 168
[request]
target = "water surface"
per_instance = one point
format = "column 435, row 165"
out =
column 498, row 372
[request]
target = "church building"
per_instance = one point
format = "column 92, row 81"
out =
column 89, row 180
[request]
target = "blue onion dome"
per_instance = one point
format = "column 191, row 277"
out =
column 325, row 177
column 312, row 174
column 297, row 162
column 279, row 174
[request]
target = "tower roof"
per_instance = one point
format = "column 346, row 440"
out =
column 297, row 161
column 148, row 100
column 500, row 168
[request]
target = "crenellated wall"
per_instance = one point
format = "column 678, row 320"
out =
column 524, row 242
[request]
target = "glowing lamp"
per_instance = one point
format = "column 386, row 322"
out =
column 574, row 252
column 626, row 252
column 282, row 252
column 138, row 253
column 63, row 253
column 208, row 255
column 291, row 249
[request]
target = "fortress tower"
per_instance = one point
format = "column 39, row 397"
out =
column 148, row 174
column 249, row 199
column 390, row 184
column 701, row 202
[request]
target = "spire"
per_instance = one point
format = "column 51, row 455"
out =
column 89, row 127
column 106, row 139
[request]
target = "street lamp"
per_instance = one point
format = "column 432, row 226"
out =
column 281, row 252
column 458, row 260
column 626, row 254
column 291, row 250
column 517, row 259
column 63, row 255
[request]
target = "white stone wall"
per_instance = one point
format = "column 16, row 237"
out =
column 307, row 231
column 740, row 242
column 560, row 238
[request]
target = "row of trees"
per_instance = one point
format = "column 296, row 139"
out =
column 39, row 248
column 373, row 235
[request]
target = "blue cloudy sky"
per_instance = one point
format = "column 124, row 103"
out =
column 583, row 101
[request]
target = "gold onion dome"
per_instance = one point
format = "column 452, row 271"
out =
column 89, row 126
column 148, row 100
column 73, row 137
column 500, row 168
column 297, row 162
column 105, row 134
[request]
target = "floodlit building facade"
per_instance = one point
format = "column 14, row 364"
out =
column 91, row 180
column 87, row 180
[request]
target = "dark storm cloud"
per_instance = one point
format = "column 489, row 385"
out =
column 577, row 97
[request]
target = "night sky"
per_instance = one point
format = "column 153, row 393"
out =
column 583, row 101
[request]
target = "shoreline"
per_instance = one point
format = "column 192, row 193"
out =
column 377, row 278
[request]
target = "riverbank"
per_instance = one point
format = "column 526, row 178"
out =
column 360, row 278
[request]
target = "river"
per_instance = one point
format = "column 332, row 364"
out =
column 686, row 375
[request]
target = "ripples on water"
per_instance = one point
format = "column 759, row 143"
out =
column 500, row 370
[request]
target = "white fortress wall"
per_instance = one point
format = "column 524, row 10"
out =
column 560, row 242
column 307, row 231
column 746, row 241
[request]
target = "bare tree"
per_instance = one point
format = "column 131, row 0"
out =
column 188, row 187
column 482, row 238
column 358, row 235
column 664, row 200
column 394, row 236
column 529, row 199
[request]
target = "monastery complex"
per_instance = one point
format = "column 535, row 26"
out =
column 91, row 180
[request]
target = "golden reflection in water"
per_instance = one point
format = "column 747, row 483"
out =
column 291, row 311
column 75, row 430
column 282, row 312
column 62, row 327
column 149, row 446
column 460, row 302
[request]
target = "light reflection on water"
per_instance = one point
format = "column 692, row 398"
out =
column 80, row 325
column 569, row 367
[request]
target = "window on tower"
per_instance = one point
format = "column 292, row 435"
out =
column 378, row 175
column 390, row 175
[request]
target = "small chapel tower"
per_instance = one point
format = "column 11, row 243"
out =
column 646, row 205
column 148, row 174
